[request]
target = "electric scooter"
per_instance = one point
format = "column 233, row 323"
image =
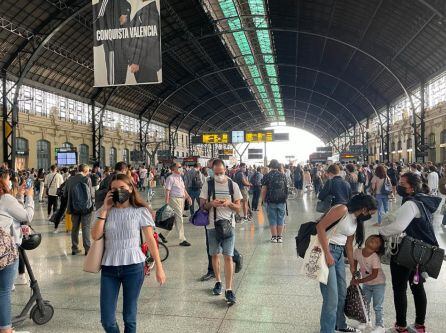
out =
column 40, row 310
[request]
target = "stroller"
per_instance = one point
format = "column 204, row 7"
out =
column 40, row 310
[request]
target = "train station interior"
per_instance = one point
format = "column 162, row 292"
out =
column 307, row 90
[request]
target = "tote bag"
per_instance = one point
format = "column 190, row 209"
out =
column 93, row 260
column 314, row 266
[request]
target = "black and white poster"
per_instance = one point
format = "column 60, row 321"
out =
column 127, row 42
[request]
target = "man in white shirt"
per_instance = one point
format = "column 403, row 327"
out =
column 433, row 180
column 53, row 180
column 142, row 177
column 222, row 206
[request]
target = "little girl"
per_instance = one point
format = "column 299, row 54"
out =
column 372, row 276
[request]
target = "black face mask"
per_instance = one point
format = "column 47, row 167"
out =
column 121, row 196
column 401, row 190
column 364, row 217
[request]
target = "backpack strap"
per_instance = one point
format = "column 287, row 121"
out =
column 231, row 189
column 211, row 193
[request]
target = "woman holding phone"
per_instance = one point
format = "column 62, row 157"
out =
column 122, row 219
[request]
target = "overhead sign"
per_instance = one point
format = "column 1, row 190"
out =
column 328, row 149
column 238, row 136
column 281, row 137
column 228, row 152
column 216, row 138
column 126, row 42
column 259, row 136
column 358, row 149
column 255, row 154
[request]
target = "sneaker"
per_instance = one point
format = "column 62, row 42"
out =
column 348, row 329
column 273, row 239
column 230, row 297
column 279, row 239
column 74, row 252
column 13, row 287
column 207, row 276
column 397, row 329
column 239, row 264
column 184, row 243
column 56, row 231
column 163, row 239
column 21, row 280
column 415, row 328
column 378, row 329
column 217, row 289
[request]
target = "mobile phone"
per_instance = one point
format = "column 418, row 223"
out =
column 29, row 183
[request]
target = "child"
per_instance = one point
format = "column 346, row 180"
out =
column 372, row 276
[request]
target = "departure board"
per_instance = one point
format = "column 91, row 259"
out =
column 259, row 136
column 216, row 138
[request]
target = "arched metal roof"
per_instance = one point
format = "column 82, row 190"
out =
column 338, row 61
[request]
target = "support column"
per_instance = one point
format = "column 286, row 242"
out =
column 386, row 150
column 420, row 147
column 10, row 120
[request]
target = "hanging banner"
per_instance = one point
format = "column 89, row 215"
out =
column 127, row 42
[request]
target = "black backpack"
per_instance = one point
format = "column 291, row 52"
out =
column 197, row 183
column 277, row 188
column 361, row 178
column 211, row 188
column 81, row 202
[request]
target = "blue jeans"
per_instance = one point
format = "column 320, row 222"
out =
column 375, row 292
column 7, row 276
column 195, row 196
column 383, row 205
column 334, row 293
column 276, row 213
column 131, row 277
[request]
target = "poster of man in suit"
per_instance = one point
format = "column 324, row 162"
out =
column 127, row 42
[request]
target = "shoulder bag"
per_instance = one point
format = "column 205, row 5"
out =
column 420, row 256
column 93, row 260
column 8, row 249
column 47, row 192
column 324, row 206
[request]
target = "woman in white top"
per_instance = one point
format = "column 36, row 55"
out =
column 11, row 212
column 122, row 219
column 336, row 231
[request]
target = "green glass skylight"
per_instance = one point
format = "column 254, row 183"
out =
column 253, row 49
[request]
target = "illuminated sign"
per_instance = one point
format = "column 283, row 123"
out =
column 259, row 136
column 229, row 152
column 238, row 137
column 216, row 138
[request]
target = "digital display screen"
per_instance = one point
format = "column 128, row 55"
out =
column 259, row 136
column 66, row 158
column 238, row 136
column 216, row 138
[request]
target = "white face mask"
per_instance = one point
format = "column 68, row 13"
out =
column 220, row 178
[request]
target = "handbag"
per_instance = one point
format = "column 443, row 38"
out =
column 416, row 254
column 324, row 206
column 186, row 205
column 223, row 229
column 8, row 249
column 386, row 189
column 93, row 260
column 356, row 306
column 314, row 266
column 200, row 218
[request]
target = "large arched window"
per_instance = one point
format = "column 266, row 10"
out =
column 43, row 154
column 400, row 145
column 125, row 155
column 22, row 152
column 112, row 157
column 393, row 146
column 84, row 156
column 409, row 143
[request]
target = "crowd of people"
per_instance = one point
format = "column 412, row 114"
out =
column 116, row 202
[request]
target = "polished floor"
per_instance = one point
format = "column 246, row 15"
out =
column 272, row 294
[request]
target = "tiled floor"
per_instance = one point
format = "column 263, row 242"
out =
column 272, row 294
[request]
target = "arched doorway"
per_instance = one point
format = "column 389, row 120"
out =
column 126, row 155
column 443, row 146
column 84, row 154
column 409, row 150
column 22, row 153
column 43, row 154
column 112, row 157
column 102, row 164
column 432, row 148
